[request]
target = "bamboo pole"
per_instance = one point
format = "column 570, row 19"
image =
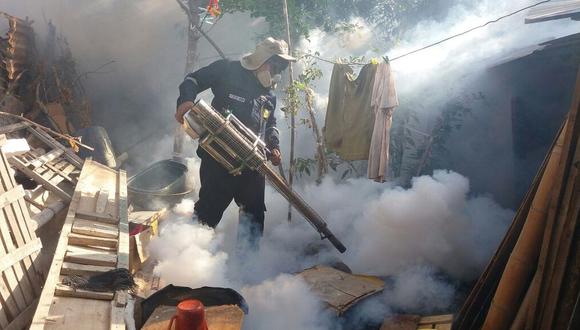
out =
column 292, row 115
column 522, row 262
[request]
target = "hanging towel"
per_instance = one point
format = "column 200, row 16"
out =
column 349, row 117
column 383, row 102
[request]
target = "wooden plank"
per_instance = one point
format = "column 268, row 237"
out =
column 446, row 326
column 64, row 173
column 48, row 157
column 90, row 256
column 3, row 319
column 62, row 290
column 117, row 312
column 91, row 228
column 123, row 248
column 69, row 268
column 106, row 217
column 11, row 196
column 447, row 318
column 22, row 321
column 46, row 174
column 400, row 322
column 8, row 305
column 39, row 179
column 13, row 127
column 24, row 212
column 102, row 200
column 52, row 279
column 20, row 253
column 78, row 313
column 85, row 240
column 554, row 10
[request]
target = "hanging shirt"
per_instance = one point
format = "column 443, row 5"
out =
column 383, row 101
column 349, row 117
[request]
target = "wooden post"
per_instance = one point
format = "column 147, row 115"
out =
column 292, row 116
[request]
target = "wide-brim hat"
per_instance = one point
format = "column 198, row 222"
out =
column 264, row 50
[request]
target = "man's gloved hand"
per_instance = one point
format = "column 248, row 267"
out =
column 275, row 157
column 182, row 109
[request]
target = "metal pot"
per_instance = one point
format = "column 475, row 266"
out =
column 161, row 184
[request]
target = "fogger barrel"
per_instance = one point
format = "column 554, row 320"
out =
column 236, row 147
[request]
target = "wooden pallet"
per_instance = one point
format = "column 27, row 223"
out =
column 53, row 166
column 94, row 239
column 20, row 280
column 50, row 169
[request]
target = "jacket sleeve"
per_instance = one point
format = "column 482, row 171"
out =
column 272, row 134
column 200, row 80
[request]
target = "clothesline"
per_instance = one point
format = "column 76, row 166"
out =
column 435, row 43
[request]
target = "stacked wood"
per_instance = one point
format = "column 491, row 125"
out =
column 16, row 52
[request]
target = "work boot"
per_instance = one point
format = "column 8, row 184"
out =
column 196, row 220
column 249, row 234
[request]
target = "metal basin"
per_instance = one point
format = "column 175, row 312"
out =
column 163, row 184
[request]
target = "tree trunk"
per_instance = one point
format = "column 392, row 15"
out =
column 191, row 61
column 320, row 148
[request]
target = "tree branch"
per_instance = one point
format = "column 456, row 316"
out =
column 190, row 19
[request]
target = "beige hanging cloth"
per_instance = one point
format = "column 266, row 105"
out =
column 383, row 102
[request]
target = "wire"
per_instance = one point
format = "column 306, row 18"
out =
column 441, row 41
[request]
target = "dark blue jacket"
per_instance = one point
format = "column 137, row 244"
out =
column 238, row 91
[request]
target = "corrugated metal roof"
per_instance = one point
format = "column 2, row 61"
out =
column 569, row 42
column 555, row 10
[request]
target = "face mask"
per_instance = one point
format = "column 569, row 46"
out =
column 276, row 80
column 265, row 78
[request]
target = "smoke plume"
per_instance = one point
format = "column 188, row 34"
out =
column 439, row 224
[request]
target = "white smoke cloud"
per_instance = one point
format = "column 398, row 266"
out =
column 284, row 302
column 408, row 234
column 189, row 255
column 419, row 290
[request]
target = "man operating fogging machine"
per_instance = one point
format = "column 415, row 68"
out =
column 244, row 89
